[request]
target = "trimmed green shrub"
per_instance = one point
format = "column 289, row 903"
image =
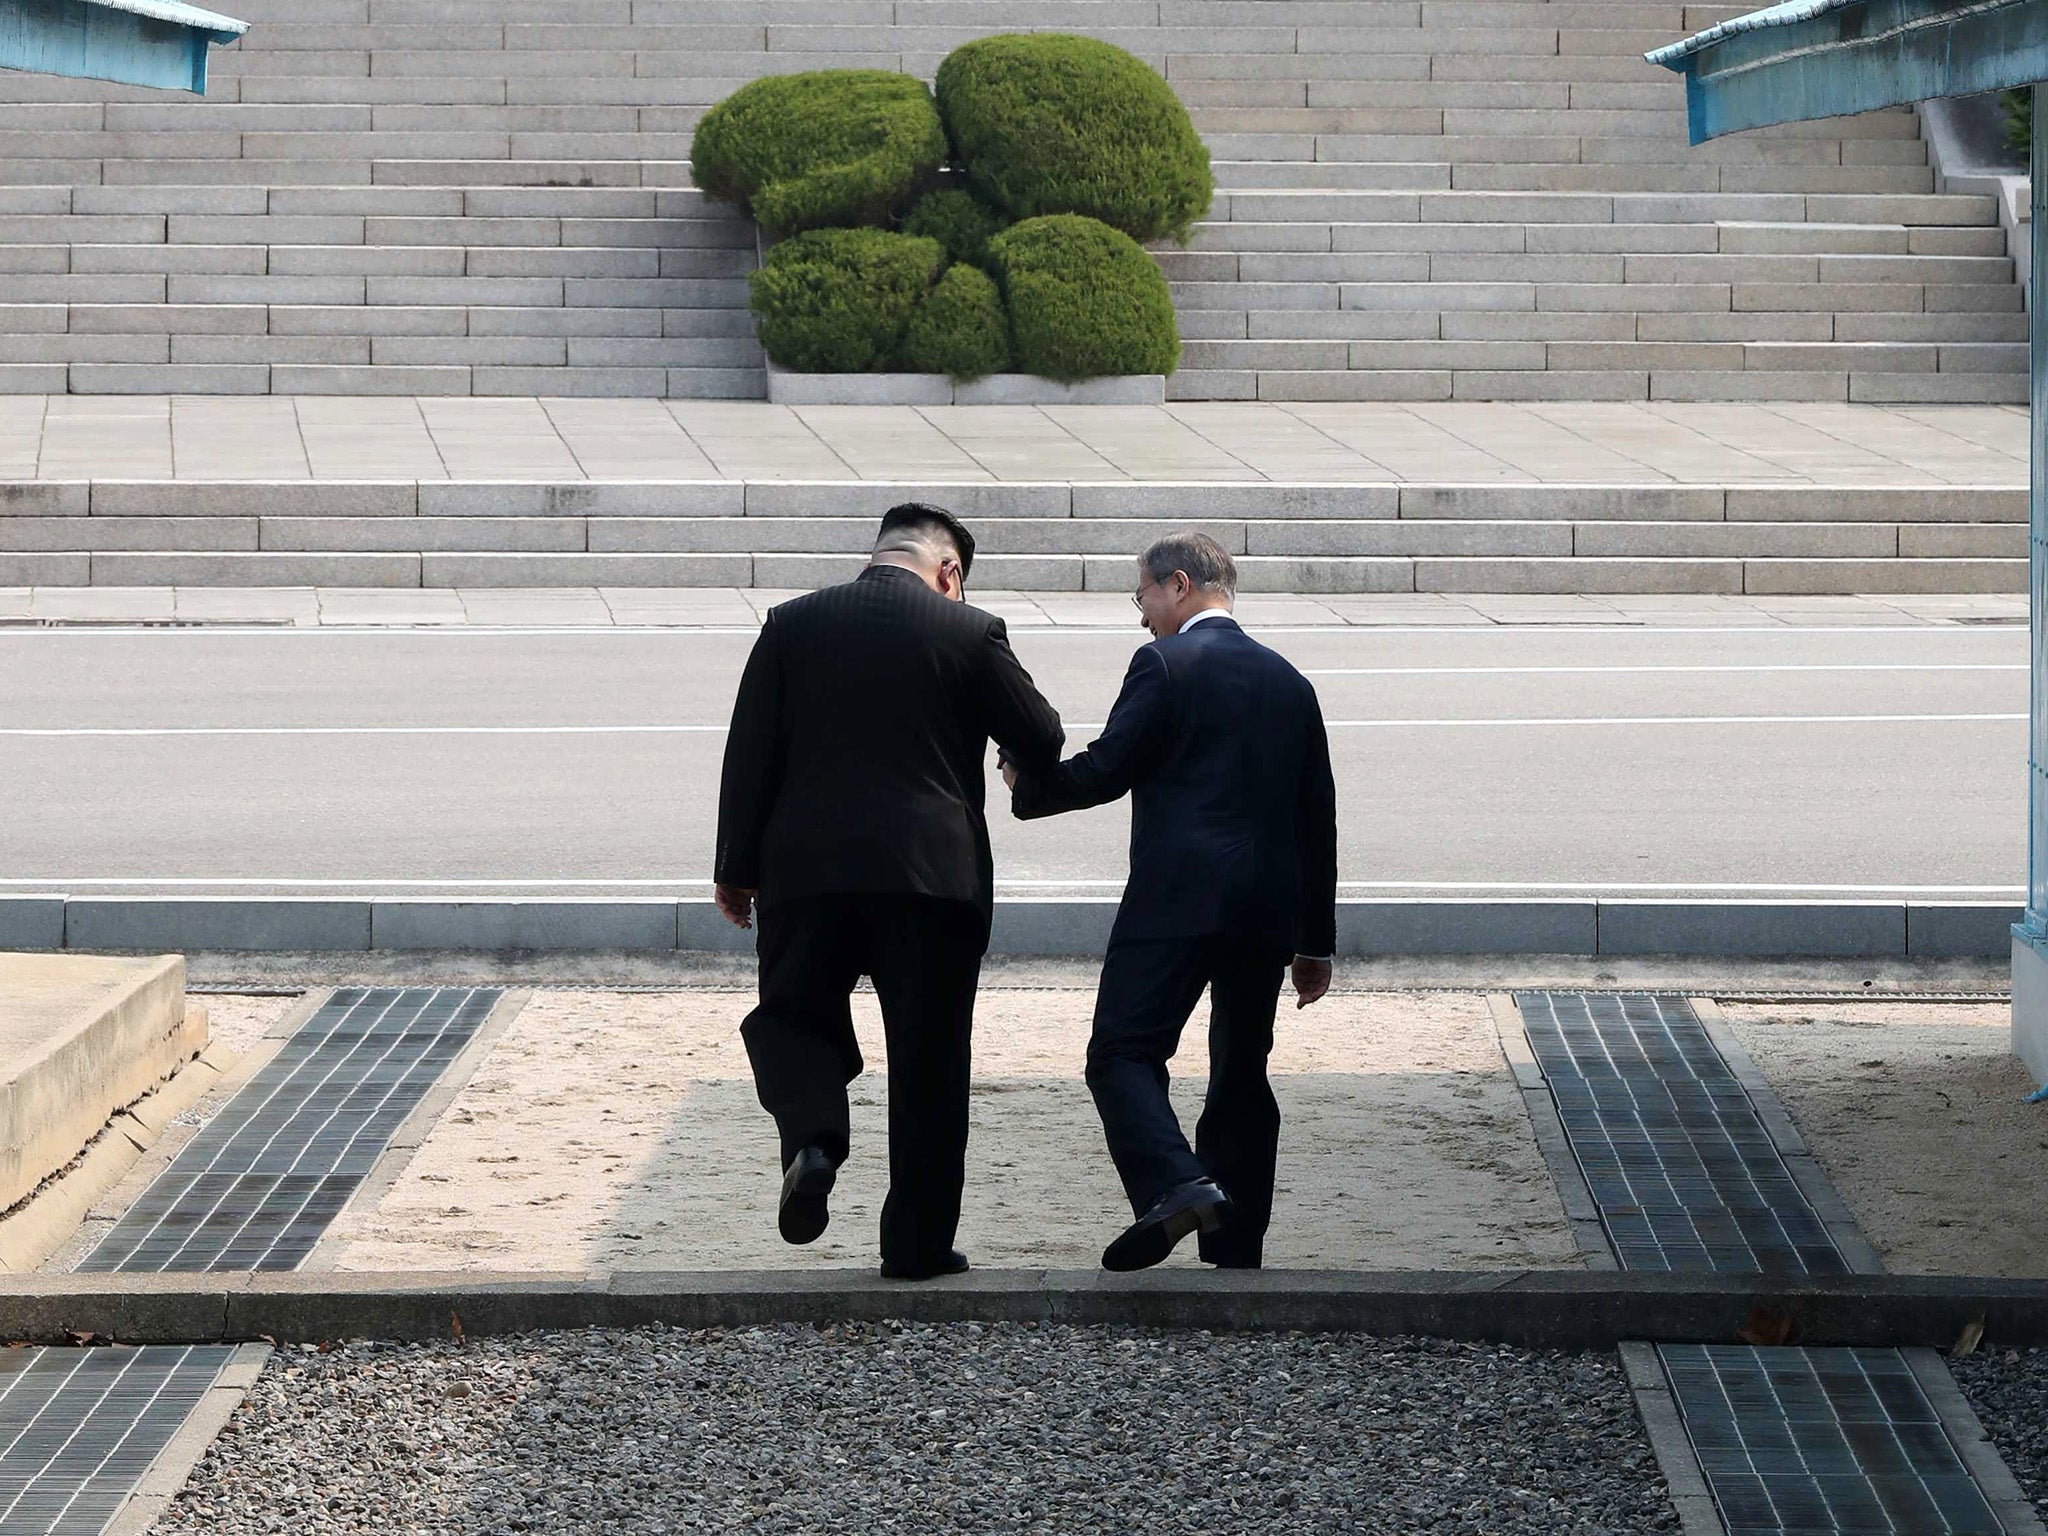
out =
column 1047, row 123
column 839, row 300
column 1084, row 300
column 837, row 146
column 960, row 328
column 959, row 221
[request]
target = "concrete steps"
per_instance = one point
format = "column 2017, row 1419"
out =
column 1472, row 199
column 1362, row 538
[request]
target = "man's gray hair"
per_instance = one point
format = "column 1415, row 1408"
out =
column 1207, row 564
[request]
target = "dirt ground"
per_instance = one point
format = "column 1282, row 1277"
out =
column 237, row 1020
column 620, row 1131
column 1917, row 1112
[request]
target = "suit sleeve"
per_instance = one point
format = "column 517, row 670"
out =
column 1016, row 715
column 1122, row 755
column 1316, row 836
column 753, row 765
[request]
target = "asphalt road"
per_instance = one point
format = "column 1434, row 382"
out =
column 1623, row 761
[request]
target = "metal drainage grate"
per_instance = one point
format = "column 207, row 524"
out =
column 1682, row 1168
column 1811, row 1442
column 260, row 1182
column 78, row 1427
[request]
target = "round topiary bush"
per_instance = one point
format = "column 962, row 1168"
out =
column 959, row 221
column 1084, row 300
column 840, row 300
column 1047, row 123
column 960, row 329
column 839, row 146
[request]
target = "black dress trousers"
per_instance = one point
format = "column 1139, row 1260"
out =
column 924, row 956
column 1149, row 988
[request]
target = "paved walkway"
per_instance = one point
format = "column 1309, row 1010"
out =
column 728, row 607
column 293, row 438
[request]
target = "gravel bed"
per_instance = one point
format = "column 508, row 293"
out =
column 2009, row 1390
column 881, row 1428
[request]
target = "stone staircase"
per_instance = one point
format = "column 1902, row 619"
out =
column 1474, row 199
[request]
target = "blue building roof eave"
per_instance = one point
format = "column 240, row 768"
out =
column 1807, row 59
column 161, row 43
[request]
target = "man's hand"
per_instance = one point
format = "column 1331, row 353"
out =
column 1311, row 980
column 1009, row 773
column 736, row 902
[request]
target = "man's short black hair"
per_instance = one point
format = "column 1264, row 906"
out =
column 922, row 518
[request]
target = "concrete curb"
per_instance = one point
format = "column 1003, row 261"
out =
column 1043, row 926
column 1544, row 1309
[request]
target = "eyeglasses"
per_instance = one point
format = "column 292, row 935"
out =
column 1138, row 597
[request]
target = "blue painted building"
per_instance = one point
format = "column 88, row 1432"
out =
column 1823, row 58
column 133, row 42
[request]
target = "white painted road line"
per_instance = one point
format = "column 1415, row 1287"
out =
column 1845, row 666
column 16, row 630
column 1534, row 721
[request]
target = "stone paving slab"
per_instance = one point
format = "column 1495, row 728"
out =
column 72, row 438
column 739, row 607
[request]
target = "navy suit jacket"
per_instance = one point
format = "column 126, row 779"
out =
column 1221, row 746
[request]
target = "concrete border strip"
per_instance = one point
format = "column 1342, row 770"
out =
column 1698, row 1514
column 140, row 1174
column 1589, row 1233
column 162, row 1479
column 1540, row 1309
column 1857, row 1251
column 1873, row 931
column 2001, row 1490
column 406, row 1141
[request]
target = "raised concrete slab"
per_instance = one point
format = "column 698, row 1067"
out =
column 80, row 1038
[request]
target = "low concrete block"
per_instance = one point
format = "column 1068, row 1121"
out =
column 576, row 498
column 523, row 925
column 254, row 498
column 1061, row 925
column 79, row 1038
column 31, row 922
column 701, row 926
column 1839, row 929
column 1396, row 926
column 1633, row 503
column 871, row 498
column 215, row 922
column 44, row 498
column 1185, row 500
column 134, row 1309
column 785, row 388
column 1960, row 930
column 1030, row 389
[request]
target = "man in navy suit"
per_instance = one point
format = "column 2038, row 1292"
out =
column 1220, row 744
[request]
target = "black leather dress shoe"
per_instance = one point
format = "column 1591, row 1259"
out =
column 805, row 1184
column 954, row 1263
column 1196, row 1206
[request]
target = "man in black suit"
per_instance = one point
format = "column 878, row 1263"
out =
column 850, row 813
column 1221, row 745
